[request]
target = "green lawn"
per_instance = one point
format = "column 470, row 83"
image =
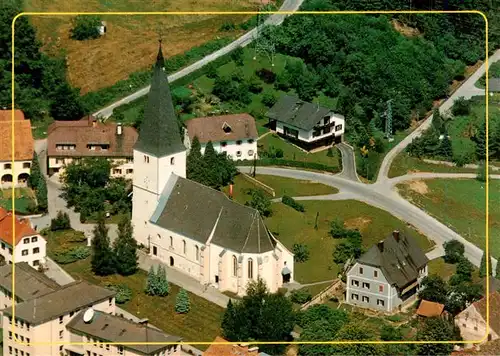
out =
column 282, row 186
column 441, row 268
column 63, row 240
column 461, row 205
column 404, row 164
column 291, row 226
column 23, row 198
column 290, row 152
column 39, row 128
column 202, row 323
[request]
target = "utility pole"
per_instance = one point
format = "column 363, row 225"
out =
column 254, row 165
column 388, row 121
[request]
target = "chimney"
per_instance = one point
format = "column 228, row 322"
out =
column 395, row 233
column 380, row 246
column 119, row 128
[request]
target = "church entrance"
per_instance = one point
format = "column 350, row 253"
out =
column 171, row 261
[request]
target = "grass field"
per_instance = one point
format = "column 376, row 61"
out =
column 291, row 226
column 202, row 323
column 404, row 164
column 461, row 205
column 130, row 43
column 282, row 186
column 23, row 197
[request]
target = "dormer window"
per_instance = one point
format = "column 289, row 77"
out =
column 238, row 142
column 223, row 144
column 226, row 128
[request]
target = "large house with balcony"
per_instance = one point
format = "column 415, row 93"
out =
column 388, row 275
column 68, row 141
column 234, row 134
column 189, row 226
column 306, row 124
column 27, row 244
column 18, row 173
column 75, row 319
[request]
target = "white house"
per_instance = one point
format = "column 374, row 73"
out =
column 18, row 173
column 29, row 245
column 191, row 227
column 306, row 124
column 234, row 134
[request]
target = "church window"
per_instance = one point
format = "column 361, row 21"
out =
column 146, row 159
column 235, row 266
column 184, row 246
column 250, row 268
column 197, row 249
column 171, row 241
column 159, row 237
column 172, row 160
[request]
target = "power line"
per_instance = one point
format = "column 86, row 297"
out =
column 263, row 45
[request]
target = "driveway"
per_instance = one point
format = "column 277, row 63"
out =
column 348, row 162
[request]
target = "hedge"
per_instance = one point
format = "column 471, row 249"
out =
column 290, row 163
column 292, row 203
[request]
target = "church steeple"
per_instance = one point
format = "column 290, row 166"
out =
column 159, row 132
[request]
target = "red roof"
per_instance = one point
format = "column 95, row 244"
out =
column 228, row 350
column 23, row 139
column 429, row 309
column 480, row 306
column 23, row 228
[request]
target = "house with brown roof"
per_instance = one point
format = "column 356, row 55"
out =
column 236, row 134
column 429, row 309
column 193, row 228
column 27, row 244
column 220, row 349
column 472, row 320
column 388, row 275
column 68, row 141
column 16, row 173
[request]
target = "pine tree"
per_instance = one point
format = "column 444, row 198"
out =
column 194, row 164
column 482, row 267
column 437, row 121
column 151, row 282
column 480, row 141
column 35, row 174
column 212, row 176
column 445, row 149
column 41, row 194
column 182, row 304
column 494, row 141
column 162, row 288
column 125, row 248
column 103, row 259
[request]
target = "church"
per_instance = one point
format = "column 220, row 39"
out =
column 188, row 226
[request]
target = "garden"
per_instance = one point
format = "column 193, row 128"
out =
column 24, row 199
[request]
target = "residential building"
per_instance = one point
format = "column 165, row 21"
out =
column 234, row 134
column 429, row 309
column 29, row 245
column 388, row 275
column 230, row 350
column 307, row 124
column 68, row 141
column 472, row 320
column 19, row 172
column 189, row 226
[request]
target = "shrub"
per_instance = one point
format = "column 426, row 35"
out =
column 61, row 222
column 268, row 76
column 182, row 304
column 329, row 153
column 211, row 71
column 268, row 99
column 85, row 28
column 461, row 107
column 300, row 252
column 300, row 296
column 290, row 163
column 237, row 56
column 292, row 203
column 227, row 26
column 255, row 87
column 74, row 254
column 123, row 293
column 238, row 75
column 453, row 251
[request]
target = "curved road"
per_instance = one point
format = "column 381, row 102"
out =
column 276, row 19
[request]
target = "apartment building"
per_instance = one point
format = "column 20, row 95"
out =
column 388, row 275
column 29, row 245
column 68, row 141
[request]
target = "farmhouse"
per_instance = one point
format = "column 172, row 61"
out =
column 306, row 124
column 234, row 134
column 72, row 140
column 30, row 246
column 18, row 173
column 189, row 226
column 388, row 275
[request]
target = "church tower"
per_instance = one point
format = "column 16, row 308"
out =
column 158, row 152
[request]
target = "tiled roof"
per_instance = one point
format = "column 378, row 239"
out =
column 112, row 328
column 430, row 309
column 293, row 111
column 23, row 228
column 159, row 132
column 194, row 210
column 480, row 306
column 228, row 350
column 23, row 139
column 211, row 128
column 398, row 260
column 29, row 282
column 89, row 131
column 68, row 298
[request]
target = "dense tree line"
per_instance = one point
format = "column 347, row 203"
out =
column 41, row 87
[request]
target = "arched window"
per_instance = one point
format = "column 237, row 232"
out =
column 184, row 246
column 250, row 268
column 235, row 266
column 197, row 249
column 159, row 237
column 172, row 160
column 171, row 241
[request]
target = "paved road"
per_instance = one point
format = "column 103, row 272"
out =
column 467, row 90
column 382, row 195
column 247, row 38
column 348, row 162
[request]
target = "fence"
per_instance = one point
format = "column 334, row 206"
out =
column 265, row 187
column 326, row 293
